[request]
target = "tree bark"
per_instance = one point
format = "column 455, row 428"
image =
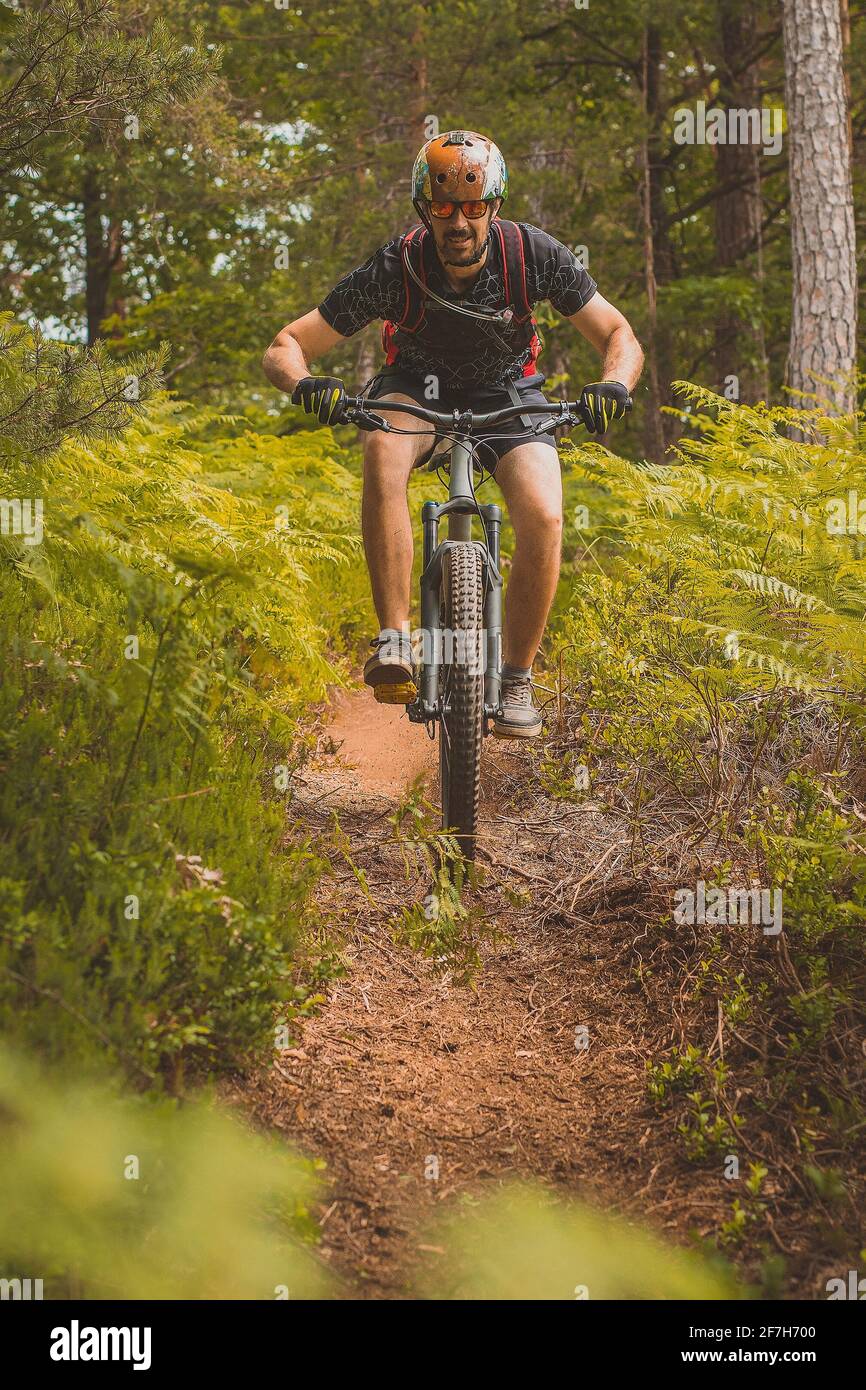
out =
column 419, row 98
column 652, row 210
column 845, row 22
column 95, row 282
column 822, row 354
column 365, row 358
column 739, row 210
column 103, row 249
column 665, row 261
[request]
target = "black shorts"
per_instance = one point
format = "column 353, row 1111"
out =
column 497, row 441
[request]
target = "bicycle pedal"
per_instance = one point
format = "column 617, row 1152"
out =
column 402, row 694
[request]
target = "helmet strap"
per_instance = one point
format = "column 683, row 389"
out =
column 422, row 213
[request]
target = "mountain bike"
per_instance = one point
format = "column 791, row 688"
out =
column 459, row 663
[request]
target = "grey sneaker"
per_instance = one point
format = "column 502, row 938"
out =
column 390, row 670
column 519, row 717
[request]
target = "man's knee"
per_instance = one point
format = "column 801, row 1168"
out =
column 540, row 519
column 386, row 462
column 531, row 481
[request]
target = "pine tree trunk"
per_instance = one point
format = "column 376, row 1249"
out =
column 419, row 99
column 823, row 342
column 654, row 432
column 116, row 265
column 365, row 358
column 656, row 136
column 95, row 270
column 739, row 211
column 845, row 21
column 103, row 249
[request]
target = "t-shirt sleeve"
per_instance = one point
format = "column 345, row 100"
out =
column 553, row 272
column 373, row 291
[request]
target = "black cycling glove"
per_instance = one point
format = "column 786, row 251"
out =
column 601, row 403
column 323, row 396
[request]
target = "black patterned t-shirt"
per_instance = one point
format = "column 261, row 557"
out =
column 376, row 291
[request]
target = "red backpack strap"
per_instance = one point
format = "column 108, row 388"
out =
column 413, row 298
column 412, row 245
column 513, row 268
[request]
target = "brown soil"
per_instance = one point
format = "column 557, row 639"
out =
column 403, row 1066
column 379, row 743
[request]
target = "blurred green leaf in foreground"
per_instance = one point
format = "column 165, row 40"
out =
column 526, row 1244
column 215, row 1212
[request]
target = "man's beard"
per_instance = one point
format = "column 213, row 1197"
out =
column 462, row 252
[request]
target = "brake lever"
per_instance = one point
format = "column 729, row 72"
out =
column 568, row 418
column 366, row 420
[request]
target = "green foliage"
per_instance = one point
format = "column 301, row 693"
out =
column 708, row 1127
column 441, row 926
column 71, row 69
column 828, row 1183
column 722, row 619
column 676, row 1074
column 715, row 625
column 748, row 1213
column 706, row 1131
column 49, row 390
column 159, row 646
column 135, row 178
column 714, row 646
column 121, row 1199
column 311, row 154
column 526, row 1244
column 722, row 575
column 816, row 856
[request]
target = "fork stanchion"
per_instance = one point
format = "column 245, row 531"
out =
column 493, row 609
column 430, row 624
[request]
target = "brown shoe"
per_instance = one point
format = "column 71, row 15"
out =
column 390, row 670
column 519, row 718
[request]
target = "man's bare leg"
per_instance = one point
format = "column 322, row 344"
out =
column 385, row 522
column 531, row 483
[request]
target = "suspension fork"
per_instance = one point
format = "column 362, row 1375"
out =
column 459, row 519
column 460, row 528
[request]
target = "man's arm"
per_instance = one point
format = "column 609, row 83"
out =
column 287, row 360
column 611, row 335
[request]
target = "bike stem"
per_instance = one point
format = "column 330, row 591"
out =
column 459, row 489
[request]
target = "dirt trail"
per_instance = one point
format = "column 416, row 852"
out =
column 379, row 743
column 405, row 1074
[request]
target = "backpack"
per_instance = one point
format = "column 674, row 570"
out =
column 516, row 298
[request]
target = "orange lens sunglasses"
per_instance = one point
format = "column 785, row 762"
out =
column 472, row 209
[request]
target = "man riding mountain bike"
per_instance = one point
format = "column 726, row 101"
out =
column 456, row 296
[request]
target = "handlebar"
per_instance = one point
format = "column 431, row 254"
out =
column 464, row 421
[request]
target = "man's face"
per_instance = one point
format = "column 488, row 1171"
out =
column 458, row 238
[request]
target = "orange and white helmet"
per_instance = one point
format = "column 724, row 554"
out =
column 460, row 166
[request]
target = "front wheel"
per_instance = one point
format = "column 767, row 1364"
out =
column 461, row 731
